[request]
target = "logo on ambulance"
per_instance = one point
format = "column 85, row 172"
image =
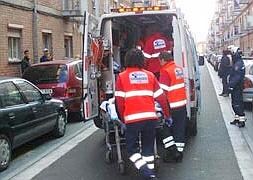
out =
column 179, row 73
column 159, row 44
column 138, row 77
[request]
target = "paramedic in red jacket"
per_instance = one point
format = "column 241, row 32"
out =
column 135, row 95
column 154, row 43
column 172, row 82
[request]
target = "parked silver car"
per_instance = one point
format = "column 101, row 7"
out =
column 248, row 80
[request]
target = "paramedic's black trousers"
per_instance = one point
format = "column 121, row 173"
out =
column 237, row 101
column 144, row 161
column 179, row 116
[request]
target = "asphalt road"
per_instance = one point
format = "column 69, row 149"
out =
column 28, row 154
column 208, row 156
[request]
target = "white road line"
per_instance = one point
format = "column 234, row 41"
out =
column 45, row 162
column 240, row 140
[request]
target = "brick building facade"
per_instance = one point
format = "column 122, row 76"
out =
column 60, row 35
column 39, row 24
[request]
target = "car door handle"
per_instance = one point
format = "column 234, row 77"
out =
column 11, row 116
column 34, row 110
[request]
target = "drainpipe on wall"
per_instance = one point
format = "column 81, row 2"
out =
column 35, row 32
column 97, row 8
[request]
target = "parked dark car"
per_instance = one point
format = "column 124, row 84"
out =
column 26, row 114
column 62, row 79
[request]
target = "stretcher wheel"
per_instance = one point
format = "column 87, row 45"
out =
column 121, row 167
column 157, row 164
column 108, row 157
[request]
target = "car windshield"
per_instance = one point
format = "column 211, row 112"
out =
column 53, row 73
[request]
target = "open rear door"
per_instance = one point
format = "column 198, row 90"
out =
column 90, row 70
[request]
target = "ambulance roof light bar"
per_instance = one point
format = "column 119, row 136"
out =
column 139, row 9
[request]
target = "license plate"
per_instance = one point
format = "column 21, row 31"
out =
column 46, row 91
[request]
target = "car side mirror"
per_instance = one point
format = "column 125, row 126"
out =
column 201, row 60
column 47, row 97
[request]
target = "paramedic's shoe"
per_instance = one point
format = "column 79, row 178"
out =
column 168, row 157
column 172, row 156
column 153, row 177
column 242, row 120
column 146, row 172
column 234, row 122
column 225, row 95
column 179, row 158
column 241, row 124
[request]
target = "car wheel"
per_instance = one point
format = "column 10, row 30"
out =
column 5, row 152
column 60, row 126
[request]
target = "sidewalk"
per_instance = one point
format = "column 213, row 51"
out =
column 240, row 138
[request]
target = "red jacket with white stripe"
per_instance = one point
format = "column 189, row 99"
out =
column 155, row 44
column 135, row 95
column 172, row 82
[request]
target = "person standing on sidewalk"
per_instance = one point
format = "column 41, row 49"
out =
column 172, row 82
column 135, row 95
column 224, row 70
column 25, row 63
column 235, row 85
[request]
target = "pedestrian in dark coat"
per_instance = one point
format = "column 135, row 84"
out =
column 224, row 71
column 25, row 63
column 236, row 80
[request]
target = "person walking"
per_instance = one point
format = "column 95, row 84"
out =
column 172, row 82
column 224, row 70
column 25, row 63
column 135, row 95
column 235, row 85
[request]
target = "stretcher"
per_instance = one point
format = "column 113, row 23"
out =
column 114, row 134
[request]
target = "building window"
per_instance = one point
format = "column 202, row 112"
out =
column 68, row 46
column 47, row 41
column 236, row 30
column 14, row 45
column 66, row 5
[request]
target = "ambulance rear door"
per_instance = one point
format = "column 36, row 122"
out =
column 90, row 69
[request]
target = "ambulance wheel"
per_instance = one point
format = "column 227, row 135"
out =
column 121, row 167
column 192, row 128
column 108, row 157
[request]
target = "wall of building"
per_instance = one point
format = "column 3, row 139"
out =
column 19, row 13
column 233, row 27
column 9, row 15
column 22, row 17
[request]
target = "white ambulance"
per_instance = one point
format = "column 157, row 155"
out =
column 118, row 32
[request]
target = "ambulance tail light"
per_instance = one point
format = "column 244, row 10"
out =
column 192, row 90
column 247, row 83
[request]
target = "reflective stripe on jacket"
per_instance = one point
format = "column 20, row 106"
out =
column 135, row 92
column 172, row 82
